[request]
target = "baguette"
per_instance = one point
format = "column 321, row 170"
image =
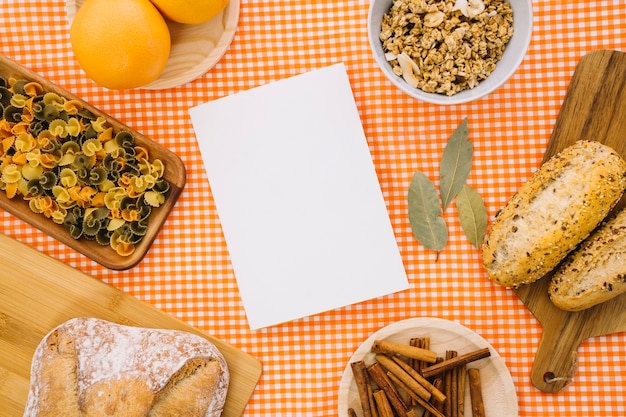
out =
column 595, row 272
column 555, row 210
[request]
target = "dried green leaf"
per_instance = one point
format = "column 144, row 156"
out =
column 472, row 214
column 425, row 218
column 456, row 163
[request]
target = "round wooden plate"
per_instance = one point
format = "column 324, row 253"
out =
column 195, row 48
column 498, row 390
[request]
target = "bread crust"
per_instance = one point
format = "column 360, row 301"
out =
column 88, row 367
column 555, row 210
column 199, row 376
column 59, row 376
column 595, row 272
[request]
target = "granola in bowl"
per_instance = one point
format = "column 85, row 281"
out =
column 446, row 46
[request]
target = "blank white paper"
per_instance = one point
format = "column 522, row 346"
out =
column 298, row 198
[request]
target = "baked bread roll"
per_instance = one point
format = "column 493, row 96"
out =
column 595, row 272
column 555, row 210
column 88, row 367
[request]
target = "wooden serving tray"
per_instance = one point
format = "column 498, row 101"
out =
column 175, row 174
column 37, row 293
column 594, row 109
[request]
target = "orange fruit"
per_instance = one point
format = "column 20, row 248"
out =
column 120, row 44
column 190, row 11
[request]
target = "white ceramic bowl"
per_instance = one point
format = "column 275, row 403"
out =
column 511, row 59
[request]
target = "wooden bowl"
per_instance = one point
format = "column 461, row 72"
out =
column 195, row 48
column 498, row 387
column 175, row 174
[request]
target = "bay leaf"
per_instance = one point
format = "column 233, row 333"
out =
column 425, row 211
column 456, row 163
column 472, row 214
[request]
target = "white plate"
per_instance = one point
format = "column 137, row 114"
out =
column 195, row 48
column 498, row 390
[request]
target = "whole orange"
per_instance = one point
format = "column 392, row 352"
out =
column 190, row 11
column 120, row 44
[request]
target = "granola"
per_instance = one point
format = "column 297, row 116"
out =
column 446, row 46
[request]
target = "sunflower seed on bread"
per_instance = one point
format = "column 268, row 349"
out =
column 555, row 210
column 596, row 271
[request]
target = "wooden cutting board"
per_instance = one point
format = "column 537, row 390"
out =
column 594, row 109
column 37, row 293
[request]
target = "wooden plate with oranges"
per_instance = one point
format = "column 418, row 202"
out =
column 195, row 48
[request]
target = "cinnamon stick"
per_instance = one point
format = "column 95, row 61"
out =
column 415, row 342
column 476, row 396
column 462, row 375
column 425, row 345
column 382, row 404
column 452, row 363
column 419, row 400
column 391, row 348
column 370, row 395
column 416, row 364
column 437, row 405
column 422, row 343
column 412, row 385
column 351, row 412
column 359, row 370
column 382, row 380
column 448, row 386
column 440, row 396
column 454, row 387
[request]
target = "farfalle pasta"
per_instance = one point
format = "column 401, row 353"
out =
column 71, row 167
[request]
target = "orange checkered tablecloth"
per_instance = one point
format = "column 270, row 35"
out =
column 187, row 272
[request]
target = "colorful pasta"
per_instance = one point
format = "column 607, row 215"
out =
column 73, row 168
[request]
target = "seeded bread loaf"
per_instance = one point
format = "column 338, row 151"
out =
column 88, row 367
column 596, row 271
column 555, row 210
